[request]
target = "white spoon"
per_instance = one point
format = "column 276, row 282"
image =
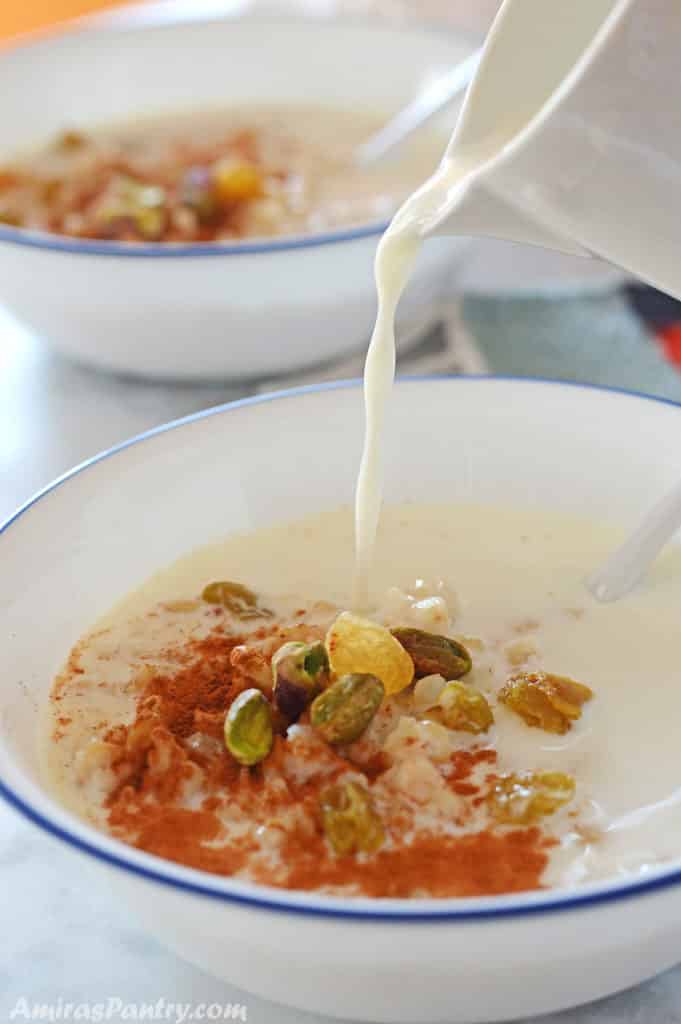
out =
column 428, row 103
column 630, row 563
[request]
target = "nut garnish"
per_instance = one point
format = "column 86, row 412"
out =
column 343, row 711
column 433, row 654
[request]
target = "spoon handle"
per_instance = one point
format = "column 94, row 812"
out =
column 626, row 566
column 428, row 103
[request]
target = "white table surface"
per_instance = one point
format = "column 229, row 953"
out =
column 60, row 937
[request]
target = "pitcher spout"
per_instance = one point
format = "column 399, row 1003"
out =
column 520, row 161
column 479, row 212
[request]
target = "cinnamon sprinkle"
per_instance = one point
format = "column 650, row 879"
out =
column 478, row 864
column 178, row 789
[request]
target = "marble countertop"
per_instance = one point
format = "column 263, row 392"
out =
column 67, row 939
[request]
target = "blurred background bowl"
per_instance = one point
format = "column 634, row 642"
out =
column 223, row 311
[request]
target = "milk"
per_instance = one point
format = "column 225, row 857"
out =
column 395, row 257
column 517, row 575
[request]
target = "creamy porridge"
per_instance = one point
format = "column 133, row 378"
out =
column 211, row 176
column 466, row 722
column 480, row 729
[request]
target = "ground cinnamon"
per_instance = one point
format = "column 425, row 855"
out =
column 481, row 864
column 204, row 688
column 172, row 758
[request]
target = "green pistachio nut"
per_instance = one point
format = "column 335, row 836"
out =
column 343, row 711
column 299, row 672
column 236, row 598
column 248, row 728
column 144, row 207
column 433, row 654
column 150, row 222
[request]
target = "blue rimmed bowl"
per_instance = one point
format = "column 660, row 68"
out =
column 98, row 532
column 228, row 310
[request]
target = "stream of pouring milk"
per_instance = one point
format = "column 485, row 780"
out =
column 395, row 257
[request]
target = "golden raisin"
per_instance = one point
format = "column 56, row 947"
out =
column 463, row 708
column 236, row 182
column 349, row 818
column 356, row 645
column 545, row 701
column 524, row 798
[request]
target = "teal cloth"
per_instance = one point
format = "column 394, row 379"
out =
column 594, row 339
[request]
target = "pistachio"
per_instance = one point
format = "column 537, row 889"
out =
column 343, row 711
column 237, row 598
column 248, row 727
column 140, row 206
column 463, row 708
column 545, row 701
column 148, row 209
column 350, row 820
column 433, row 654
column 299, row 672
column 524, row 798
column 150, row 222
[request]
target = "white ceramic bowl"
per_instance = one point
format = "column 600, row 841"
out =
column 228, row 311
column 99, row 531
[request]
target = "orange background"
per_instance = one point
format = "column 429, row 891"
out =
column 17, row 16
column 25, row 15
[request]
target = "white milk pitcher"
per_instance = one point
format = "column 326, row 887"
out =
column 571, row 135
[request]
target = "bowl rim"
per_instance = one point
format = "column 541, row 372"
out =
column 116, row 854
column 162, row 14
column 181, row 250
